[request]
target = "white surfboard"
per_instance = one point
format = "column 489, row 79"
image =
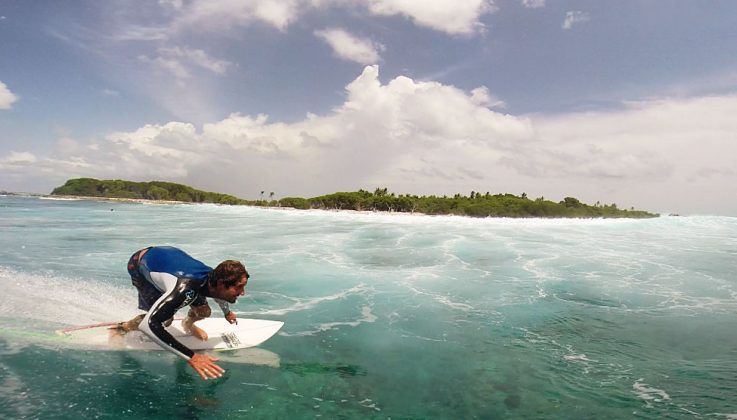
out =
column 221, row 335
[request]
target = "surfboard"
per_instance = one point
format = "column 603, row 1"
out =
column 221, row 335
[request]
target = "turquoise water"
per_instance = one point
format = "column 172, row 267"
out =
column 387, row 316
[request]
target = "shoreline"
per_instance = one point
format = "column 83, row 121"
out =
column 475, row 205
column 109, row 199
column 92, row 198
column 337, row 211
column 60, row 197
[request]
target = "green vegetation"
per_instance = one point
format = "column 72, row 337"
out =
column 474, row 205
column 155, row 190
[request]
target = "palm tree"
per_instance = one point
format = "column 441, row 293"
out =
column 271, row 195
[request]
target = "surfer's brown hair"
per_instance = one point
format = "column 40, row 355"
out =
column 228, row 272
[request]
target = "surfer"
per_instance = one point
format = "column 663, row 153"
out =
column 169, row 279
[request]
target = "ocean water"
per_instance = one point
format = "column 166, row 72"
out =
column 386, row 316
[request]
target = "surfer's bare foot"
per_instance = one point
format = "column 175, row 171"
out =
column 120, row 328
column 194, row 330
column 127, row 326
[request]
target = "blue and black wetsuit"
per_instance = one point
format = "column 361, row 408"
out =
column 167, row 280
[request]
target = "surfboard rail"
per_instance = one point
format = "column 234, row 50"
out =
column 222, row 335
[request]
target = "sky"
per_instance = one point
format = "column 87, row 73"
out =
column 632, row 102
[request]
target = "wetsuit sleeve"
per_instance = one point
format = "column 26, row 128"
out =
column 224, row 306
column 181, row 292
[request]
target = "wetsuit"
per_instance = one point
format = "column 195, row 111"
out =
column 167, row 280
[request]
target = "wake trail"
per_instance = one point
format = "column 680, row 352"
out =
column 38, row 299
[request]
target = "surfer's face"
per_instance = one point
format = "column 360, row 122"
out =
column 232, row 293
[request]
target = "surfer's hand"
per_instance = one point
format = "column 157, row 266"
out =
column 230, row 317
column 205, row 366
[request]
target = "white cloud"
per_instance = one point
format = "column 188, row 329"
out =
column 137, row 33
column 224, row 14
column 7, row 98
column 351, row 48
column 178, row 61
column 481, row 96
column 533, row 4
column 429, row 138
column 379, row 126
column 15, row 158
column 110, row 92
column 454, row 17
column 197, row 57
column 574, row 17
column 669, row 154
column 170, row 65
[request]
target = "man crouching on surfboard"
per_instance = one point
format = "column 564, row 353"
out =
column 167, row 280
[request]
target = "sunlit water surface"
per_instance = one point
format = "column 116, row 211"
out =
column 387, row 316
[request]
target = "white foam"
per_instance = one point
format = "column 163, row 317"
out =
column 578, row 358
column 303, row 304
column 63, row 300
column 366, row 317
column 59, row 198
column 369, row 403
column 648, row 393
column 442, row 299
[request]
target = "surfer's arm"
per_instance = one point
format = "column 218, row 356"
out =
column 178, row 294
column 225, row 307
column 223, row 304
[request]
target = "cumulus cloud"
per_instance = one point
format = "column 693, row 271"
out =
column 349, row 47
column 7, row 98
column 225, row 14
column 451, row 16
column 425, row 137
column 481, row 96
column 185, row 79
column 574, row 17
column 207, row 16
column 380, row 128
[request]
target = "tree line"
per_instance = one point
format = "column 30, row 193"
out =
column 476, row 204
column 154, row 190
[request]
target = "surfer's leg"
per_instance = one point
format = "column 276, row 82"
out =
column 195, row 314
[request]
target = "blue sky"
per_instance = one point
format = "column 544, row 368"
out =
column 630, row 102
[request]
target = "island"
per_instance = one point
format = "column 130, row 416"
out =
column 476, row 204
